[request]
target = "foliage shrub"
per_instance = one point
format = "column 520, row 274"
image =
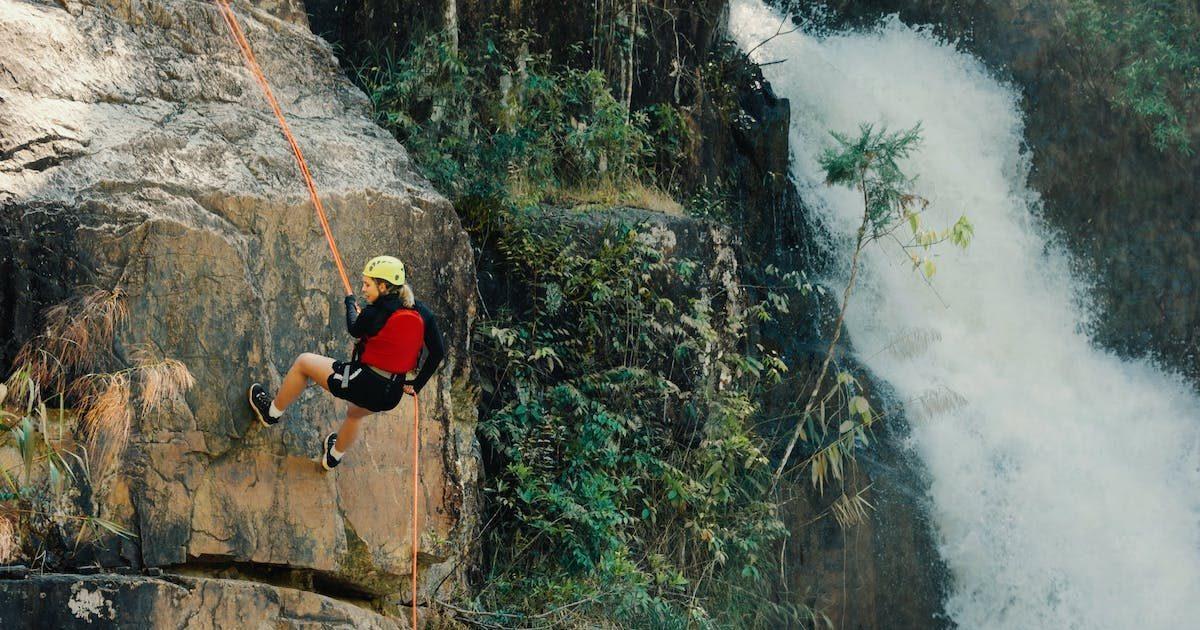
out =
column 494, row 120
column 630, row 486
column 626, row 482
column 1152, row 48
column 869, row 163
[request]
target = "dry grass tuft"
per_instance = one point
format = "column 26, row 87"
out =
column 68, row 358
column 162, row 381
column 631, row 193
column 78, row 334
column 109, row 401
column 108, row 419
column 71, row 361
column 634, row 194
column 851, row 510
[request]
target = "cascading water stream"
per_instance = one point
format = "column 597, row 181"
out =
column 1065, row 481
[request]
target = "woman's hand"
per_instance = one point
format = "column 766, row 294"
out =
column 351, row 300
column 408, row 389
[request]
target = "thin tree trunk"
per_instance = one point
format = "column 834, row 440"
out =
column 596, row 25
column 627, row 96
column 450, row 23
column 837, row 333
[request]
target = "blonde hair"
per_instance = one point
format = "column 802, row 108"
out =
column 405, row 292
column 406, row 296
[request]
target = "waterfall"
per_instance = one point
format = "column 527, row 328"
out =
column 1064, row 480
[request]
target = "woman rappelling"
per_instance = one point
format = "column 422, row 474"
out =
column 391, row 331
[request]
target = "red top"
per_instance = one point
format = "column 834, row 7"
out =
column 396, row 348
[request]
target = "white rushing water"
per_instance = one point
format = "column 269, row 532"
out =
column 1065, row 483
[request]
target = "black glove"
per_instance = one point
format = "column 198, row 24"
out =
column 351, row 313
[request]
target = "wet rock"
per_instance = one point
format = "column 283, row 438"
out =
column 14, row 572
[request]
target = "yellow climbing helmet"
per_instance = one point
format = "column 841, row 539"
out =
column 385, row 268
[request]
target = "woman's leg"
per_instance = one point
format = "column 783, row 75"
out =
column 348, row 433
column 307, row 366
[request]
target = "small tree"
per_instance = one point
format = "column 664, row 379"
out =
column 869, row 162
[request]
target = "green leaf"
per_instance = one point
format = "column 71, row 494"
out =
column 55, row 477
column 112, row 527
column 962, row 232
column 9, row 480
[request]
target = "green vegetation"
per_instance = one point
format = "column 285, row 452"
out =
column 1152, row 48
column 628, row 485
column 631, row 487
column 628, row 481
column 869, row 163
column 495, row 122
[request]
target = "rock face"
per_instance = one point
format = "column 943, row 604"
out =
column 136, row 152
column 884, row 572
column 1126, row 208
column 65, row 601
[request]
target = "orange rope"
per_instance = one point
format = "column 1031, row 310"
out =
column 240, row 38
column 416, row 479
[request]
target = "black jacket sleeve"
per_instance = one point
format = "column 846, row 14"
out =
column 351, row 314
column 434, row 347
column 369, row 321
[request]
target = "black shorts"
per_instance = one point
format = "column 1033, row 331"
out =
column 359, row 384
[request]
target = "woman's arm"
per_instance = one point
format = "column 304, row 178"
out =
column 434, row 346
column 365, row 323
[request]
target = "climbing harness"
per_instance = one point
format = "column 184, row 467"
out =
column 240, row 38
column 345, row 377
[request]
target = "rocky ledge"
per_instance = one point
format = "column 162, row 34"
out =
column 67, row 601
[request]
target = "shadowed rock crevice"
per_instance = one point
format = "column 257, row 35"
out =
column 277, row 575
